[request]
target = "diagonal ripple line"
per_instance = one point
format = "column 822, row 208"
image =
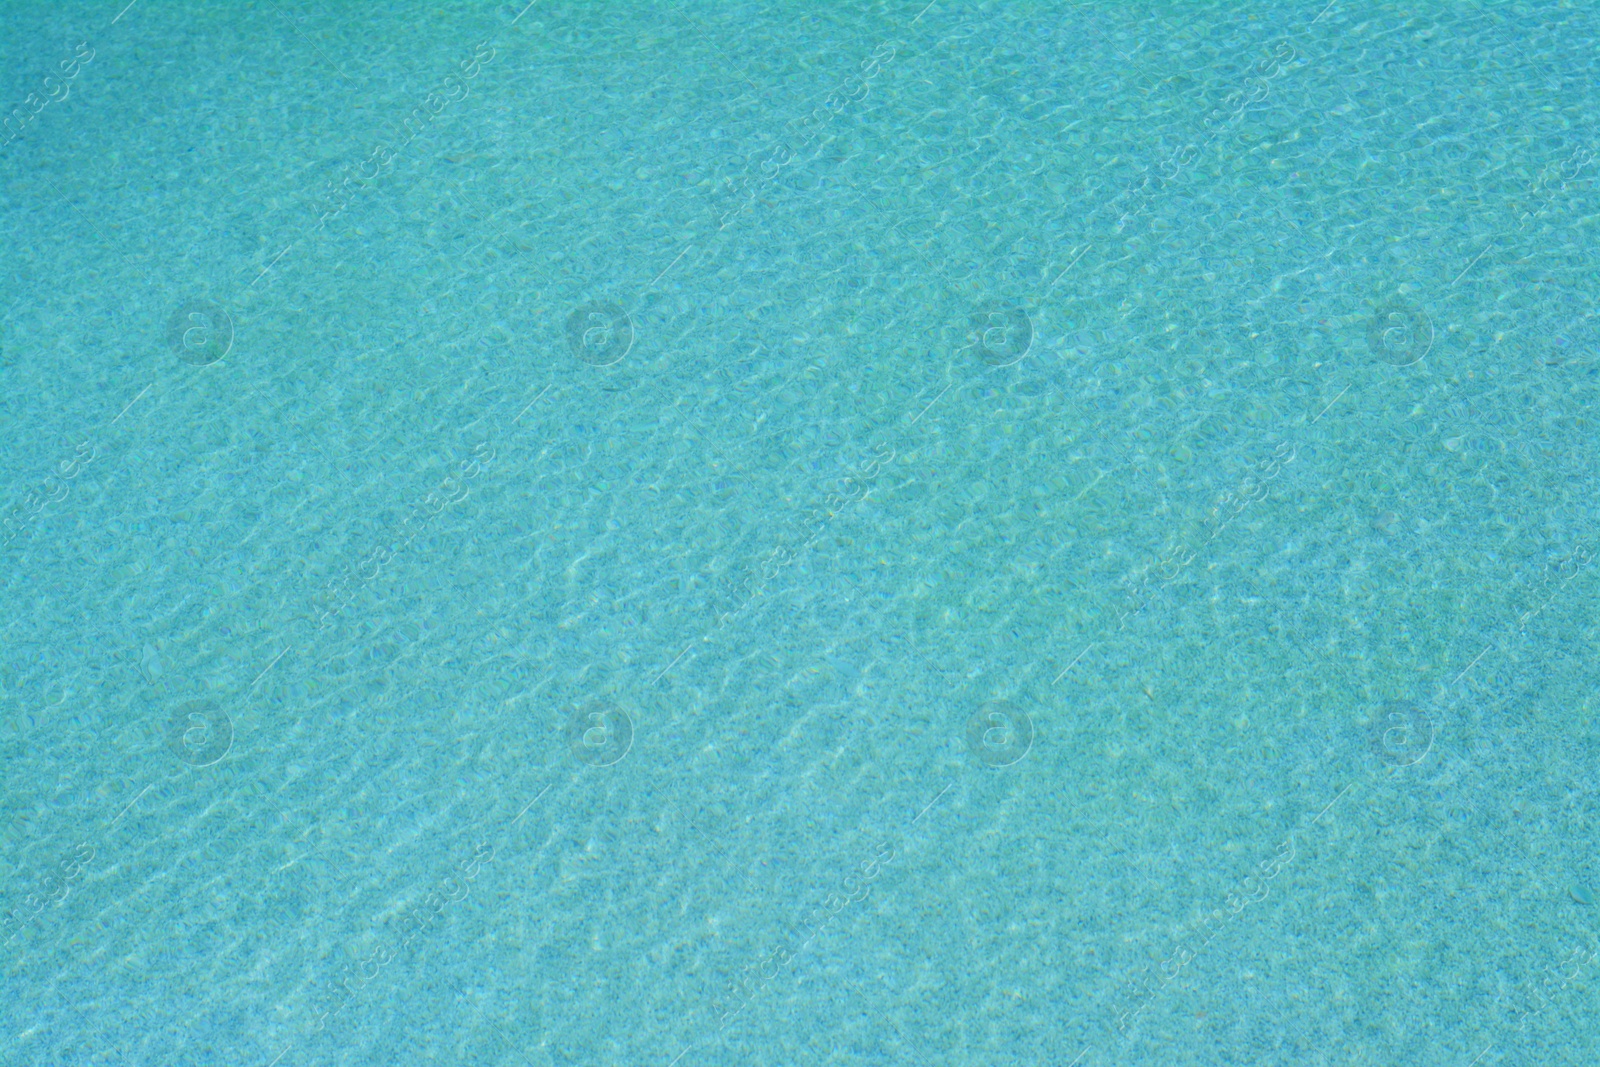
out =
column 530, row 804
column 932, row 402
column 1332, row 402
column 269, row 266
column 131, row 803
column 1471, row 665
column 663, row 274
column 532, row 402
column 931, row 803
column 1469, row 266
column 1332, row 802
column 271, row 665
column 673, row 664
column 1079, row 656
column 132, row 402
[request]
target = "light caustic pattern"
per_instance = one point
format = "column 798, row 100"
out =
column 553, row 534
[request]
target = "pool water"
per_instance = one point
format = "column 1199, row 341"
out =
column 881, row 533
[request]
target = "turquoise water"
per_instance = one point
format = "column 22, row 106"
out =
column 887, row 533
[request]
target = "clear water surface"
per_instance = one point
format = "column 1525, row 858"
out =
column 776, row 533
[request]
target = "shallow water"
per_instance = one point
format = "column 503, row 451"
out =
column 897, row 533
